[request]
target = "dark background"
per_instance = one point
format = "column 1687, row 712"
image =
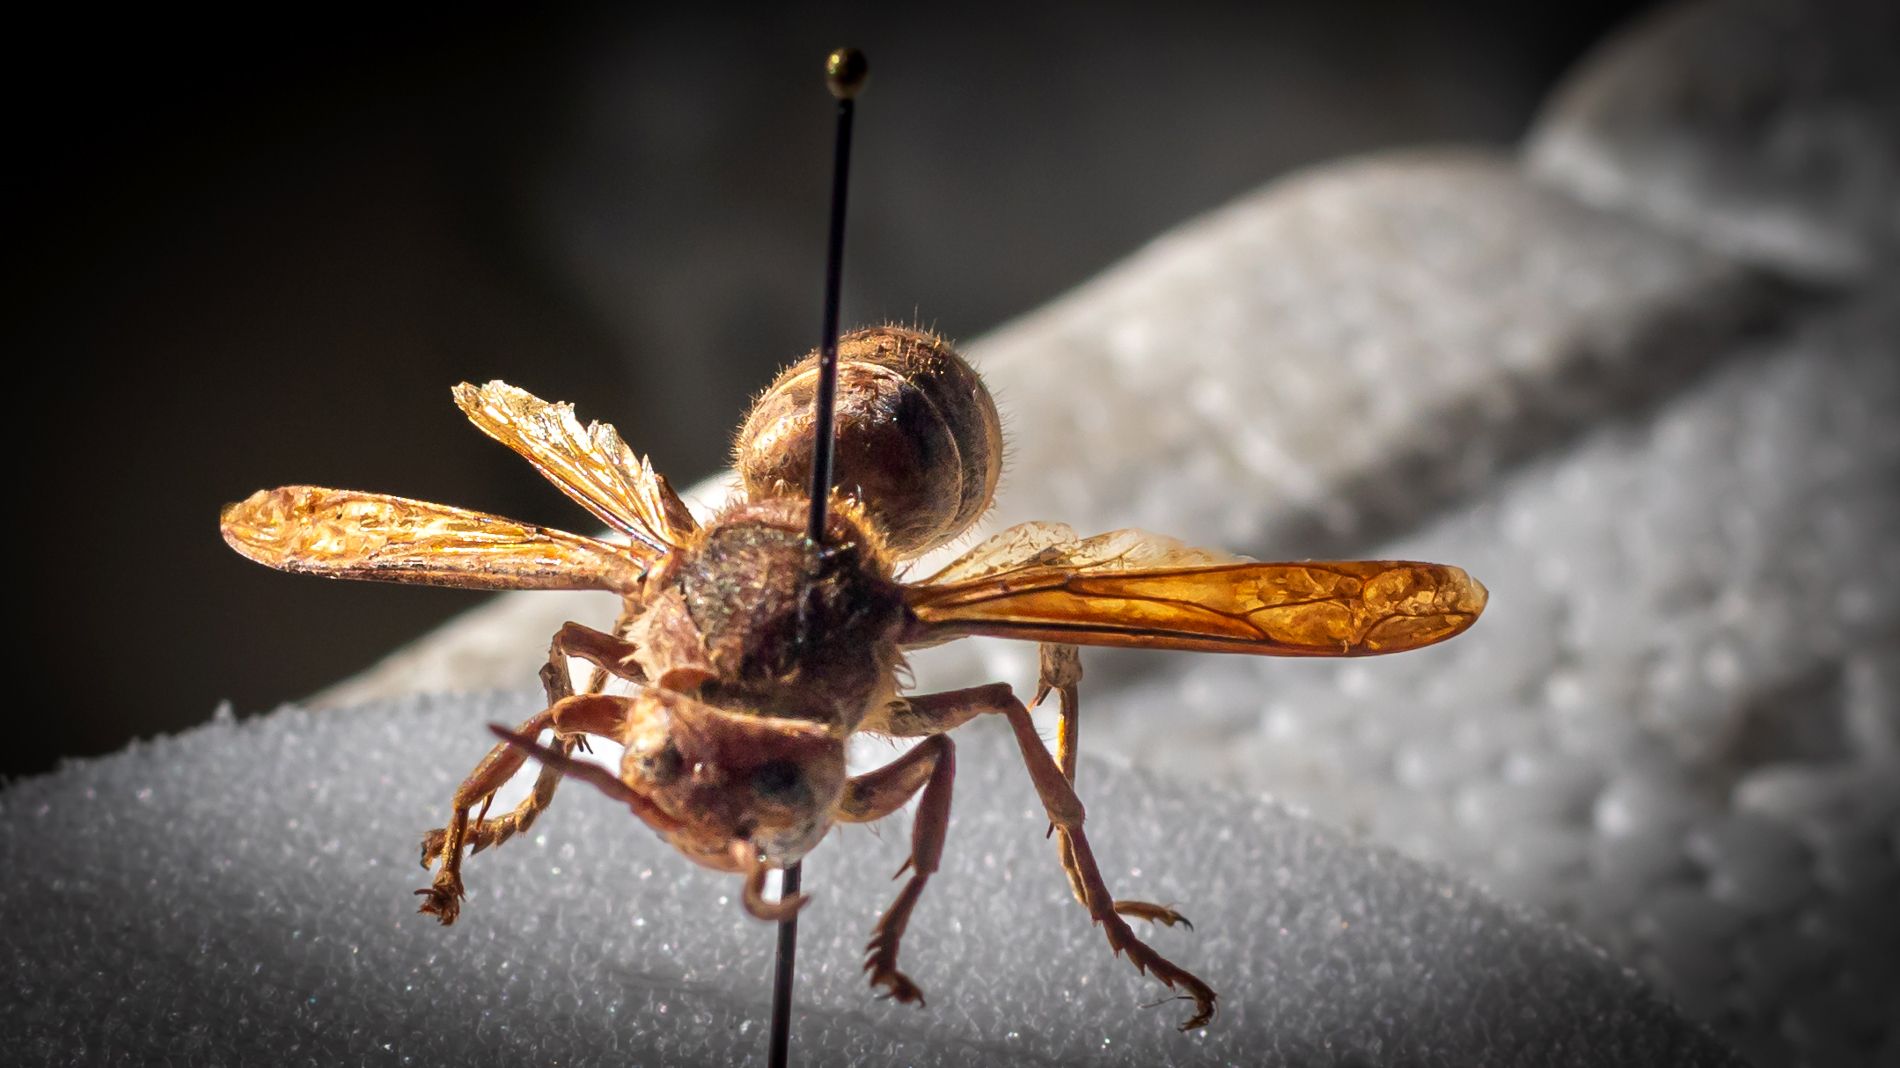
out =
column 248, row 254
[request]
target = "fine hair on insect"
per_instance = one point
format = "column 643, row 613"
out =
column 753, row 653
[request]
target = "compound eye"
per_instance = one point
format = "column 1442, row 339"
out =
column 664, row 767
column 779, row 780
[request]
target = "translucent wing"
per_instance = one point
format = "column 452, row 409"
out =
column 346, row 534
column 1132, row 589
column 1027, row 546
column 589, row 463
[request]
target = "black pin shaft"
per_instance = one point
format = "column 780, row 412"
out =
column 779, row 1053
column 824, row 405
column 845, row 72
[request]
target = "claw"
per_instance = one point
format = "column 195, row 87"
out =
column 1205, row 1008
column 1203, row 1011
column 880, row 953
column 1161, row 914
column 443, row 900
column 1146, row 961
column 897, row 986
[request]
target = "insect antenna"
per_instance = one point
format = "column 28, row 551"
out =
column 845, row 74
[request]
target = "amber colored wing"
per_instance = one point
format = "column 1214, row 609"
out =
column 1028, row 546
column 589, row 463
column 346, row 534
column 1147, row 595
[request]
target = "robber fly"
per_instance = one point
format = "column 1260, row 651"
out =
column 754, row 655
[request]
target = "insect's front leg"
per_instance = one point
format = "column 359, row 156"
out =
column 1065, row 810
column 573, row 718
column 1059, row 671
column 610, row 654
column 443, row 898
column 931, row 766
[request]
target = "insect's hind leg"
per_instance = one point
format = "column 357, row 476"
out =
column 932, row 767
column 1065, row 810
column 1059, row 670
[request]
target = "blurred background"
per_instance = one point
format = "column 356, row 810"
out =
column 246, row 265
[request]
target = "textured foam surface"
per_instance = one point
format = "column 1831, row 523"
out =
column 240, row 894
column 1678, row 727
column 1761, row 127
column 1321, row 364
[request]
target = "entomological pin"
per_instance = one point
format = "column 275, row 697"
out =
column 755, row 654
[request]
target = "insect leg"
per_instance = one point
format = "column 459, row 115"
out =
column 1059, row 671
column 443, row 899
column 609, row 654
column 572, row 719
column 620, row 660
column 931, row 766
column 1065, row 810
column 601, row 778
column 746, row 858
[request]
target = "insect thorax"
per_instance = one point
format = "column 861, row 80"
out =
column 786, row 629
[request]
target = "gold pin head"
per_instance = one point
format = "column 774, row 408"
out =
column 846, row 72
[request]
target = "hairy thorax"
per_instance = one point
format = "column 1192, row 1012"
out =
column 762, row 622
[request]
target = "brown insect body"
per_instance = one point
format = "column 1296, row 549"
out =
column 756, row 622
column 787, row 630
column 755, row 655
column 919, row 443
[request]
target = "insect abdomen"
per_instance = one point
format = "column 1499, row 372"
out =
column 919, row 442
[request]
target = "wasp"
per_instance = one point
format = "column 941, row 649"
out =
column 752, row 656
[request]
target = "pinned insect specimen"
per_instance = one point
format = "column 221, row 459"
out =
column 754, row 654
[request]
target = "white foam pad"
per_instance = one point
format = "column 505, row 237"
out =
column 241, row 894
